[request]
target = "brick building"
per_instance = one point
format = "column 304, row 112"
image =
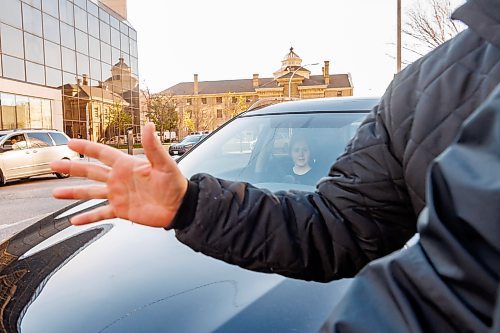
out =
column 208, row 104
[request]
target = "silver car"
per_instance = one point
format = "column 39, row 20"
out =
column 25, row 153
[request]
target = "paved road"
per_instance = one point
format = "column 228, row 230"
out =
column 26, row 201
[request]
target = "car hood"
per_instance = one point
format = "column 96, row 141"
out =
column 116, row 276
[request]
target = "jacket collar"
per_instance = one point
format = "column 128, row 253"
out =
column 483, row 17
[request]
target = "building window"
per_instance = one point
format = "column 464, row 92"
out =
column 219, row 113
column 219, row 100
column 339, row 93
column 82, row 42
column 93, row 25
column 105, row 32
column 189, row 101
column 46, row 114
column 35, row 73
column 11, row 13
column 36, row 112
column 204, row 100
column 52, row 55
column 13, row 68
column 69, row 60
column 81, row 19
column 54, row 77
column 68, row 36
column 33, row 48
column 51, row 29
column 22, row 112
column 234, row 99
column 51, row 7
column 8, row 111
column 66, row 11
column 94, row 48
column 10, row 41
column 32, row 20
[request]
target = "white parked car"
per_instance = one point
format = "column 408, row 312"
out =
column 27, row 152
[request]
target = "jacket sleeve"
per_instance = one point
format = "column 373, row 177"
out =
column 360, row 212
column 449, row 280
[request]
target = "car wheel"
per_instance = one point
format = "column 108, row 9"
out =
column 2, row 179
column 62, row 175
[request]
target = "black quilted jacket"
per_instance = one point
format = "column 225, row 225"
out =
column 368, row 205
column 449, row 280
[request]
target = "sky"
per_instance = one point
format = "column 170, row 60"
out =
column 230, row 39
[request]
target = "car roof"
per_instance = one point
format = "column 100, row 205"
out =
column 335, row 104
column 23, row 130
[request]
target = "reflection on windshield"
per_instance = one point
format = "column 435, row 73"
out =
column 190, row 138
column 258, row 149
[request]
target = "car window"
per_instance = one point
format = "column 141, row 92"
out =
column 16, row 142
column 191, row 139
column 59, row 138
column 40, row 140
column 257, row 149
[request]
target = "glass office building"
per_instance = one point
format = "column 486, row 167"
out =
column 70, row 65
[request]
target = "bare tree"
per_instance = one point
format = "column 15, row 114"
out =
column 161, row 110
column 429, row 24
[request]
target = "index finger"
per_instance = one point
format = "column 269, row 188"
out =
column 103, row 153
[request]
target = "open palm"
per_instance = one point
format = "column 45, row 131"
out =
column 147, row 192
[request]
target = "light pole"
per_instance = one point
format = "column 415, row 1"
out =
column 291, row 77
column 398, row 36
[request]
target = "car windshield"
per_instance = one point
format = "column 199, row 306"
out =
column 256, row 149
column 191, row 139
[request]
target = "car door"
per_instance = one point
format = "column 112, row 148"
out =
column 17, row 157
column 43, row 150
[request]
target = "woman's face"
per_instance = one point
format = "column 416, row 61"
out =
column 300, row 153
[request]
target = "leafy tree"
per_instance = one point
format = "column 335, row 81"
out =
column 428, row 24
column 231, row 109
column 188, row 123
column 119, row 118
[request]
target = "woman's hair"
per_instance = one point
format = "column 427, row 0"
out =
column 299, row 138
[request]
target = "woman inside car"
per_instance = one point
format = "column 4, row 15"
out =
column 302, row 170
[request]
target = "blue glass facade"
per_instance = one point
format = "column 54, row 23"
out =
column 80, row 47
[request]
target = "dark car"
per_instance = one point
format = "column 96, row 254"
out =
column 117, row 276
column 186, row 144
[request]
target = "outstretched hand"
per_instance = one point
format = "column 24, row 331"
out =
column 147, row 192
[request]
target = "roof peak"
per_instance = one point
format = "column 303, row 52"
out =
column 291, row 55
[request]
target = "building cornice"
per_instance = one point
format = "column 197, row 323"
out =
column 319, row 86
column 269, row 89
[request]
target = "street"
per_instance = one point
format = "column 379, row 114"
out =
column 24, row 202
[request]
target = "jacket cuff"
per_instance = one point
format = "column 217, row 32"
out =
column 187, row 210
